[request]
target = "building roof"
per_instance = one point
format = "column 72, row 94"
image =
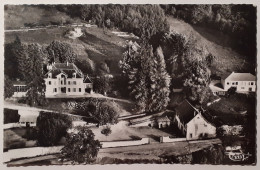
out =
column 87, row 80
column 19, row 83
column 28, row 118
column 65, row 68
column 163, row 119
column 185, row 111
column 241, row 77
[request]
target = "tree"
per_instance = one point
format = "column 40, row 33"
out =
column 60, row 52
column 11, row 54
column 80, row 146
column 100, row 111
column 51, row 127
column 197, row 81
column 102, row 85
column 31, row 67
column 8, row 88
column 148, row 80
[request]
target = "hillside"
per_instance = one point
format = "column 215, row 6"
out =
column 226, row 60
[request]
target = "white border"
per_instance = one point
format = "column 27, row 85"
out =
column 134, row 166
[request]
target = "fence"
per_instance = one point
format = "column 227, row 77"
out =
column 125, row 143
column 168, row 139
column 39, row 151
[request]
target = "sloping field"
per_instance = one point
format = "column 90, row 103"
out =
column 226, row 60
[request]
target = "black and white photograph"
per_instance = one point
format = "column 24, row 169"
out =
column 133, row 84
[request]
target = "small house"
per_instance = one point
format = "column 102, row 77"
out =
column 20, row 88
column 192, row 123
column 163, row 122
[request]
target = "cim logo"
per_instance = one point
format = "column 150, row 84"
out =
column 236, row 154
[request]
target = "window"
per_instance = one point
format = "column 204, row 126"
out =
column 55, row 89
column 236, row 83
column 68, row 82
column 49, row 82
column 68, row 89
column 233, row 83
column 61, row 82
column 227, row 83
column 252, row 83
column 79, row 89
column 74, row 89
column 190, row 135
column 74, row 82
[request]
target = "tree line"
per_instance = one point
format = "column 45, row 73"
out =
column 142, row 20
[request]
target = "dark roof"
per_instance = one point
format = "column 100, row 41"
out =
column 185, row 111
column 19, row 83
column 66, row 68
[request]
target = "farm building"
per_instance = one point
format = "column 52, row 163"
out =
column 243, row 82
column 191, row 122
column 157, row 122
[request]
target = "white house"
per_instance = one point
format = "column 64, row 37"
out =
column 191, row 122
column 20, row 89
column 66, row 79
column 244, row 82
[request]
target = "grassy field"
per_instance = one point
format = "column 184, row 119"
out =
column 122, row 131
column 226, row 60
column 19, row 138
column 230, row 110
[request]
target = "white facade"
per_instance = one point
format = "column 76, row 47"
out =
column 244, row 82
column 20, row 90
column 62, row 84
column 199, row 128
column 249, row 86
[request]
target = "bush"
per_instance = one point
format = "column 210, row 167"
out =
column 11, row 116
column 51, row 127
column 106, row 131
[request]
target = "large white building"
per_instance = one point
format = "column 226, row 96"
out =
column 66, row 79
column 192, row 123
column 243, row 82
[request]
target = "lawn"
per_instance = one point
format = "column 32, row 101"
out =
column 19, row 138
column 230, row 110
column 122, row 131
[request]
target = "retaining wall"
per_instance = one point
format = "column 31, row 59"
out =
column 168, row 139
column 125, row 143
column 29, row 152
